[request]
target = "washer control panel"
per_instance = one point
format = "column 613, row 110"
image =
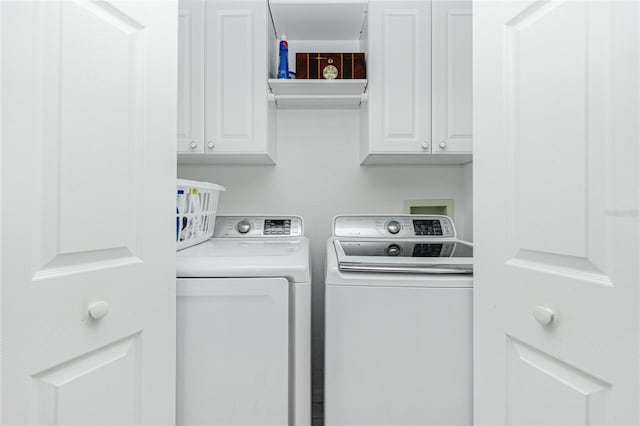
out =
column 258, row 227
column 399, row 226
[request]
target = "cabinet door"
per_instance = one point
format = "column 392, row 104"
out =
column 400, row 76
column 190, row 76
column 452, row 77
column 236, row 76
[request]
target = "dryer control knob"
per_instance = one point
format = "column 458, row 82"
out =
column 244, row 226
column 393, row 227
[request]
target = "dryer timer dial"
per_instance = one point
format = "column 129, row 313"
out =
column 243, row 226
column 393, row 226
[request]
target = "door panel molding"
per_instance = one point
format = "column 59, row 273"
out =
column 578, row 268
column 56, row 393
column 457, row 24
column 75, row 159
column 396, row 123
column 88, row 261
column 584, row 398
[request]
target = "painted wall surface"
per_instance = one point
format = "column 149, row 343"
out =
column 318, row 176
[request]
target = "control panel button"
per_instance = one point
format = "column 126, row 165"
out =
column 393, row 227
column 243, row 226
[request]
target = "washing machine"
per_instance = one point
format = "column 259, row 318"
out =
column 398, row 322
column 243, row 325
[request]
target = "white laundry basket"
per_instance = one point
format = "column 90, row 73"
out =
column 196, row 207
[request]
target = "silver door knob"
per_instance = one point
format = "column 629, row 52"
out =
column 98, row 310
column 425, row 145
column 543, row 315
column 210, row 145
column 244, row 226
column 442, row 145
column 193, row 145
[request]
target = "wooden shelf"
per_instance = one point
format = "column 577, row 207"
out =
column 319, row 19
column 318, row 94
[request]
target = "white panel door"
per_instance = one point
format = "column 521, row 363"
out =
column 399, row 71
column 88, row 174
column 191, row 76
column 556, row 175
column 233, row 351
column 236, row 76
column 452, row 90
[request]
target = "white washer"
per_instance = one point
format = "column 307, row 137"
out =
column 398, row 338
column 243, row 325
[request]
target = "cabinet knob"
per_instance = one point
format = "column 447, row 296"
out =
column 210, row 145
column 193, row 145
column 425, row 145
column 543, row 315
column 98, row 310
column 442, row 145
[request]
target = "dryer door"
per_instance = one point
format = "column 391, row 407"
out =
column 232, row 351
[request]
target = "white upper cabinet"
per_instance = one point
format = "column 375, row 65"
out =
column 237, row 42
column 415, row 106
column 399, row 72
column 190, row 76
column 239, row 120
column 420, row 93
column 452, row 77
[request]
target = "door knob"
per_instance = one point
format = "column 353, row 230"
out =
column 210, row 145
column 442, row 145
column 98, row 310
column 425, row 145
column 543, row 315
column 193, row 145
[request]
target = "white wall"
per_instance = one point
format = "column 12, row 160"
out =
column 318, row 176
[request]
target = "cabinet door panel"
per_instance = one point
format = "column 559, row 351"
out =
column 400, row 76
column 190, row 76
column 452, row 77
column 236, row 71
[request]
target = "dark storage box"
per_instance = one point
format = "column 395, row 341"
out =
column 320, row 66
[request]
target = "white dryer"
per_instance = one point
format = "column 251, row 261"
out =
column 398, row 336
column 243, row 325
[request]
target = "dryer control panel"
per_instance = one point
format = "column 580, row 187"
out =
column 258, row 227
column 392, row 227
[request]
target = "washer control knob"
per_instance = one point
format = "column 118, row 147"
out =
column 393, row 250
column 393, row 227
column 243, row 226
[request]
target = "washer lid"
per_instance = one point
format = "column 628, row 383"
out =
column 415, row 256
column 239, row 258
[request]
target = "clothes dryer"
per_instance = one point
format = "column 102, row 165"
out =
column 243, row 325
